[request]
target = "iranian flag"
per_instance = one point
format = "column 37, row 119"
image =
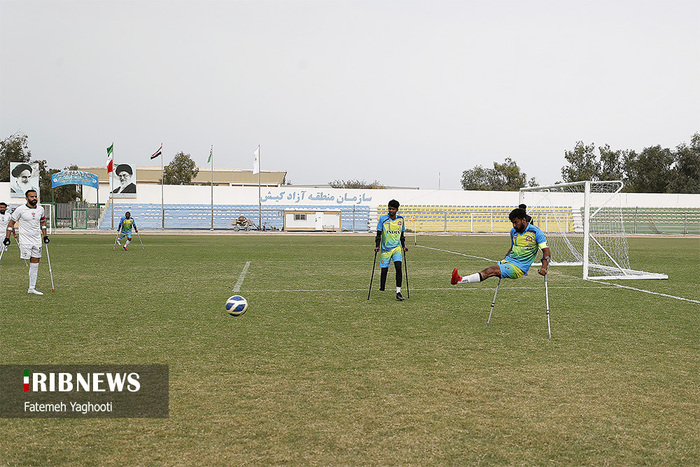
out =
column 110, row 159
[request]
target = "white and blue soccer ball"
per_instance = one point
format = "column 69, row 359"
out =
column 236, row 305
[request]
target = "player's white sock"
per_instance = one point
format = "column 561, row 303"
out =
column 127, row 243
column 33, row 273
column 398, row 289
column 476, row 277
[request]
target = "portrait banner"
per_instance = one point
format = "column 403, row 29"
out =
column 23, row 176
column 124, row 185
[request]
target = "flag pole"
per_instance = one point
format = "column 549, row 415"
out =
column 110, row 154
column 259, row 195
column 211, row 159
column 162, row 197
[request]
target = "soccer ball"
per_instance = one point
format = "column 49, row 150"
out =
column 236, row 305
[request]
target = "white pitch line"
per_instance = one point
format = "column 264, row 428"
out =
column 455, row 253
column 649, row 292
column 431, row 289
column 241, row 278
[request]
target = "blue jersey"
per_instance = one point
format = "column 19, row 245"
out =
column 391, row 230
column 127, row 224
column 524, row 247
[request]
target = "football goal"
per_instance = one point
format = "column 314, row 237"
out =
column 584, row 225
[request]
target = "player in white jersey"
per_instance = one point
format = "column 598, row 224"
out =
column 4, row 219
column 32, row 226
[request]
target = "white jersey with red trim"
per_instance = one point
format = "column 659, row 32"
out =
column 29, row 220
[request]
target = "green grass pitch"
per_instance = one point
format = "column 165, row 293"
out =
column 314, row 373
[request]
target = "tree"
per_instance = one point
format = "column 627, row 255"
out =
column 181, row 170
column 649, row 171
column 611, row 166
column 654, row 170
column 503, row 177
column 686, row 169
column 583, row 164
column 44, row 181
column 476, row 179
column 359, row 184
column 14, row 148
column 511, row 177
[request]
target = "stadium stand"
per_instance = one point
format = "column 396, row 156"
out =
column 199, row 216
column 662, row 221
column 449, row 218
column 420, row 218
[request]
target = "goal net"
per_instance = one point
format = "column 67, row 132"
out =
column 584, row 225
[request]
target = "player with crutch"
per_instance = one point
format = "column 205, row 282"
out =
column 4, row 220
column 392, row 243
column 525, row 241
column 126, row 224
column 33, row 220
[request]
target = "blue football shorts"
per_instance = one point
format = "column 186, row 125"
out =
column 510, row 271
column 388, row 257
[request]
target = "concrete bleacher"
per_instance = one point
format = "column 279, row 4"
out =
column 454, row 218
column 199, row 216
column 664, row 221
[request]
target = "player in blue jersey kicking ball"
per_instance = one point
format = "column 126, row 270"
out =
column 126, row 223
column 525, row 241
column 390, row 239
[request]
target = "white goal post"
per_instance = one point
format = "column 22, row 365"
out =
column 584, row 225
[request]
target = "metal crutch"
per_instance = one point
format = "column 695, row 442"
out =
column 48, row 259
column 546, row 297
column 405, row 266
column 374, row 264
column 139, row 235
column 115, row 240
column 493, row 304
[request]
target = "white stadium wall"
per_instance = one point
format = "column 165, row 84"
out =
column 290, row 196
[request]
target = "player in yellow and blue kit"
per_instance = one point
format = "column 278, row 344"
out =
column 126, row 223
column 390, row 239
column 525, row 241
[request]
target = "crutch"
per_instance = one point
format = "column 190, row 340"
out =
column 374, row 264
column 115, row 240
column 405, row 266
column 546, row 297
column 139, row 235
column 493, row 304
column 48, row 259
